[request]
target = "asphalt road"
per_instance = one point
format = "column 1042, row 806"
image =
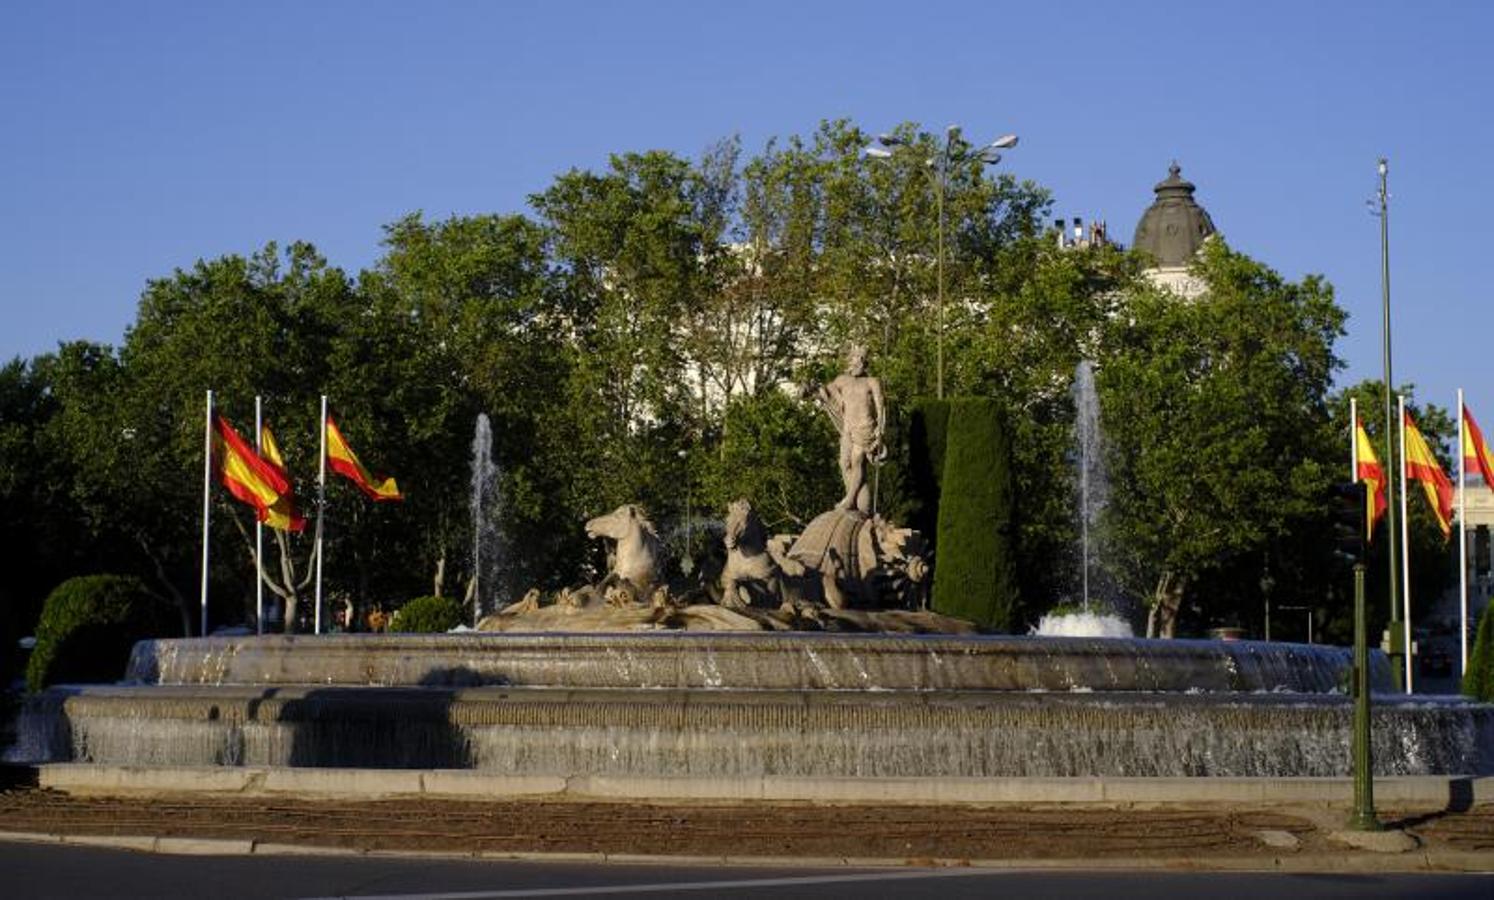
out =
column 30, row 871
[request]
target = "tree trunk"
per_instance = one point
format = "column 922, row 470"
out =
column 1162, row 618
column 164, row 580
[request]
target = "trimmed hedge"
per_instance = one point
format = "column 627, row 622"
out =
column 927, row 431
column 975, row 561
column 1478, row 681
column 87, row 628
column 427, row 615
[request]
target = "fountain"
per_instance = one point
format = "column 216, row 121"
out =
column 1092, row 490
column 771, row 699
column 486, row 504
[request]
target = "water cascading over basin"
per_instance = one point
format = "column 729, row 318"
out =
column 721, row 705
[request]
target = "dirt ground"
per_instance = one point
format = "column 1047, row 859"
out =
column 761, row 829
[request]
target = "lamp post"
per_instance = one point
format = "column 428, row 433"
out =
column 1399, row 655
column 688, row 564
column 955, row 150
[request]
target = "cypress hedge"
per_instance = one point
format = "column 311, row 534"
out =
column 1478, row 681
column 927, row 432
column 88, row 627
column 975, row 561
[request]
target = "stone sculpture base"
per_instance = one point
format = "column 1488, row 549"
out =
column 710, row 617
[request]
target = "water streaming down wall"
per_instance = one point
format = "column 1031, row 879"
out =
column 718, row 734
column 748, row 661
column 748, row 705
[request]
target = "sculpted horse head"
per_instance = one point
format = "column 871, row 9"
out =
column 744, row 530
column 638, row 547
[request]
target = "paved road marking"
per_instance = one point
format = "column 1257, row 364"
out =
column 660, row 887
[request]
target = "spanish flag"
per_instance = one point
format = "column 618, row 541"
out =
column 1476, row 455
column 247, row 477
column 1372, row 474
column 1423, row 466
column 345, row 462
column 282, row 513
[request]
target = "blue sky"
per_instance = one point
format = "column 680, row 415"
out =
column 136, row 138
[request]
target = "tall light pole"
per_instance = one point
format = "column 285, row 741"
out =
column 955, row 150
column 1400, row 662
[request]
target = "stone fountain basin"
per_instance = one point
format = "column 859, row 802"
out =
column 671, row 733
column 752, row 661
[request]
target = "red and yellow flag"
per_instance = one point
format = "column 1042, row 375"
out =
column 282, row 513
column 345, row 462
column 1476, row 455
column 243, row 472
column 1423, row 466
column 1372, row 474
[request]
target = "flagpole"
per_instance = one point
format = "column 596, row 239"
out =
column 1462, row 548
column 259, row 528
column 207, row 487
column 1353, row 439
column 1406, row 544
column 321, row 505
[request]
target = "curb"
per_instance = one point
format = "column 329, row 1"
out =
column 1449, row 861
column 1441, row 791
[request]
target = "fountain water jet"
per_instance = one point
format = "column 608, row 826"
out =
column 1092, row 490
column 1094, row 486
column 486, row 504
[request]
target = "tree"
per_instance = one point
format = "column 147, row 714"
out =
column 42, row 523
column 1431, row 554
column 1218, row 424
column 480, row 298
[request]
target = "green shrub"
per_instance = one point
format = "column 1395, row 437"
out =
column 975, row 557
column 87, row 628
column 927, row 428
column 427, row 615
column 1478, row 681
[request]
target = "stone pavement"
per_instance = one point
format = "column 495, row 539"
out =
column 1221, row 834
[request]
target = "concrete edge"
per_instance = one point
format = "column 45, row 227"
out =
column 1449, row 861
column 1441, row 791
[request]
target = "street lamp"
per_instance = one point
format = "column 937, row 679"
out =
column 1400, row 656
column 687, row 565
column 955, row 150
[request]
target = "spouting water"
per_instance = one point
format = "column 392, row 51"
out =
column 486, row 504
column 1094, row 487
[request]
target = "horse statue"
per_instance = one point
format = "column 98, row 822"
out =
column 751, row 572
column 637, row 555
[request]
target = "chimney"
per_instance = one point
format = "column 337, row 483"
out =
column 1058, row 226
column 1078, row 230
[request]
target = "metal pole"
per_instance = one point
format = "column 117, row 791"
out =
column 1353, row 438
column 1406, row 546
column 1400, row 665
column 321, row 514
column 259, row 528
column 1462, row 550
column 1363, row 817
column 939, row 178
column 207, row 509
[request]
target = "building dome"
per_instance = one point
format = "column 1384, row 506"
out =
column 1174, row 226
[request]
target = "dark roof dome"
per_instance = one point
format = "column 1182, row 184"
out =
column 1174, row 226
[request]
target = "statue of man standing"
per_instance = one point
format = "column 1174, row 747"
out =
column 854, row 403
